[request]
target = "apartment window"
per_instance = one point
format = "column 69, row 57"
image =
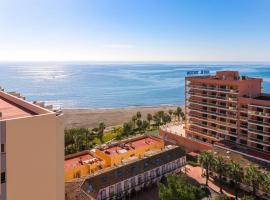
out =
column 103, row 194
column 140, row 179
column 3, row 177
column 158, row 172
column 259, row 146
column 104, row 179
column 120, row 174
column 133, row 182
column 2, row 148
column 119, row 188
column 259, row 137
column 157, row 160
column 146, row 164
column 126, row 185
column 243, row 142
column 146, row 176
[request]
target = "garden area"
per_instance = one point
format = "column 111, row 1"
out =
column 80, row 139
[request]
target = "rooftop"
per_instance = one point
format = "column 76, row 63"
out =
column 11, row 110
column 133, row 144
column 12, row 106
column 79, row 159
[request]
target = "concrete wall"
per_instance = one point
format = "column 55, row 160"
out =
column 35, row 158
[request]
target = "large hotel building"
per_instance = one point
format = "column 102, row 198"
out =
column 32, row 150
column 230, row 111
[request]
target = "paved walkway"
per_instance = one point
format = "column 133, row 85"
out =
column 196, row 173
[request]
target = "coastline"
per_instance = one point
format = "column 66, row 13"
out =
column 91, row 117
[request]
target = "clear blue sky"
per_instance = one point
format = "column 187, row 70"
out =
column 135, row 30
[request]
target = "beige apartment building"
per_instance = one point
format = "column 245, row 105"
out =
column 32, row 150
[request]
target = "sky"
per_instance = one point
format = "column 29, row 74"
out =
column 135, row 30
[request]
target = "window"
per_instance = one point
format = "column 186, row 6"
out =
column 157, row 160
column 126, row 185
column 90, row 188
column 146, row 164
column 152, row 174
column 146, row 176
column 103, row 194
column 132, row 169
column 104, row 178
column 119, row 173
column 133, row 182
column 111, row 190
column 2, row 148
column 3, row 177
column 119, row 188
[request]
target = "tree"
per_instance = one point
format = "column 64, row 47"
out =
column 178, row 112
column 253, row 178
column 170, row 112
column 139, row 124
column 101, row 128
column 248, row 198
column 144, row 126
column 127, row 128
column 220, row 167
column 235, row 172
column 138, row 115
column 266, row 181
column 134, row 119
column 149, row 117
column 166, row 118
column 206, row 161
column 157, row 119
column 177, row 188
column 222, row 197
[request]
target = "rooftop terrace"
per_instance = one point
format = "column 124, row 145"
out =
column 134, row 144
column 79, row 159
column 12, row 106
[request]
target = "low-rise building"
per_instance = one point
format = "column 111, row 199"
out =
column 130, row 165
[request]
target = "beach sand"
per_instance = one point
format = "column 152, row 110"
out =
column 90, row 118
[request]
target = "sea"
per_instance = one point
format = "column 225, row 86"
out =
column 99, row 85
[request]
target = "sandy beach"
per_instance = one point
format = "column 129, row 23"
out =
column 90, row 118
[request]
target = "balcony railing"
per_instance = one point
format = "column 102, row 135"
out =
column 213, row 88
column 257, row 113
column 259, row 122
column 213, row 105
column 212, row 113
column 214, row 97
column 213, row 120
column 261, row 132
column 254, row 139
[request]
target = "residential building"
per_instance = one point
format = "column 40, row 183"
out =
column 32, row 150
column 127, row 166
column 229, row 111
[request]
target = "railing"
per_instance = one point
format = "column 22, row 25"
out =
column 213, row 120
column 252, row 112
column 256, row 131
column 213, row 96
column 213, row 105
column 259, row 122
column 213, row 88
column 213, row 113
column 259, row 141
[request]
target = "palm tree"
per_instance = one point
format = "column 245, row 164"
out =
column 206, row 161
column 253, row 178
column 101, row 128
column 144, row 125
column 166, row 118
column 139, row 124
column 220, row 167
column 178, row 112
column 157, row 119
column 236, row 174
column 170, row 112
column 139, row 115
column 149, row 117
column 127, row 128
column 134, row 119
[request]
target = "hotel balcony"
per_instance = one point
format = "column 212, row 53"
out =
column 258, row 122
column 217, row 114
column 220, row 98
column 220, row 131
column 259, row 132
column 230, row 108
column 218, row 89
column 258, row 141
column 257, row 113
column 200, row 117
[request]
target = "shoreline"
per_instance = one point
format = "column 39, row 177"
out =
column 91, row 117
